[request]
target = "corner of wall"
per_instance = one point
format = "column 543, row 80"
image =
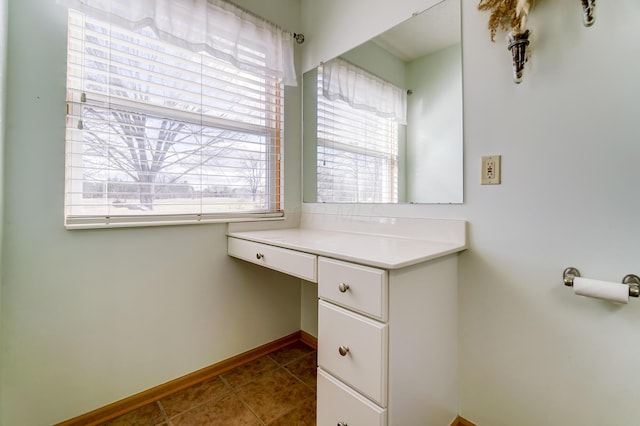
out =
column 3, row 56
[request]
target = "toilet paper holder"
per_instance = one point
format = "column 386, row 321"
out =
column 633, row 281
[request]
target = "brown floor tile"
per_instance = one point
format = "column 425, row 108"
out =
column 227, row 411
column 290, row 353
column 277, row 389
column 149, row 415
column 247, row 372
column 302, row 415
column 273, row 394
column 304, row 369
column 194, row 396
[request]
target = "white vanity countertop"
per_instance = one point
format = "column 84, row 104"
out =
column 383, row 251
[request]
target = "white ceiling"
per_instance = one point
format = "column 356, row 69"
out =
column 425, row 32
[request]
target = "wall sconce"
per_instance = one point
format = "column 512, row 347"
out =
column 511, row 16
column 518, row 43
column 588, row 12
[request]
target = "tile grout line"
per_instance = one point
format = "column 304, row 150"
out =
column 300, row 403
column 280, row 367
column 164, row 413
column 291, row 360
column 229, row 390
column 247, row 406
column 299, row 379
column 242, row 401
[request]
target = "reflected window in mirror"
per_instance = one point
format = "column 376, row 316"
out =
column 424, row 55
column 358, row 115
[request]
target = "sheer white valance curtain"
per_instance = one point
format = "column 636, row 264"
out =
column 216, row 27
column 341, row 80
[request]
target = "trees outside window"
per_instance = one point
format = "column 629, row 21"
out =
column 157, row 130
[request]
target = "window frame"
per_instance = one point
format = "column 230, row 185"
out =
column 273, row 135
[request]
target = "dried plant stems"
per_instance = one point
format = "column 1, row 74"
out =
column 506, row 14
column 522, row 13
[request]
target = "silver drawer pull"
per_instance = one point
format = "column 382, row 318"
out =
column 259, row 256
column 342, row 424
column 343, row 350
column 343, row 287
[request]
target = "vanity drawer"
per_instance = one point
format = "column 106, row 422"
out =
column 302, row 265
column 354, row 349
column 361, row 288
column 339, row 404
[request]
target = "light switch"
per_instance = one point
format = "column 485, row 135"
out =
column 490, row 170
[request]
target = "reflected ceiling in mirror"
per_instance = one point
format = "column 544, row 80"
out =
column 423, row 57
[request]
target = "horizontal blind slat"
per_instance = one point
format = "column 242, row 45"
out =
column 156, row 130
column 356, row 153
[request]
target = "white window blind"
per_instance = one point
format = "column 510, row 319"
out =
column 157, row 133
column 357, row 157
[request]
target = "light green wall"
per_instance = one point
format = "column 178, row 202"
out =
column 3, row 50
column 434, row 166
column 531, row 352
column 90, row 317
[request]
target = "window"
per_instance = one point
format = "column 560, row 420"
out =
column 357, row 154
column 158, row 133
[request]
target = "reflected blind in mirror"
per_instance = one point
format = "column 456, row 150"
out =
column 357, row 151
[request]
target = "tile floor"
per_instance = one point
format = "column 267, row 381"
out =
column 276, row 390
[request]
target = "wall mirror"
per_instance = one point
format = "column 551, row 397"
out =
column 347, row 155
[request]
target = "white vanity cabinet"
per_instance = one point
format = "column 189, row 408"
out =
column 387, row 343
column 387, row 314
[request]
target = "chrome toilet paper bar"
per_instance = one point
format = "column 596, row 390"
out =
column 633, row 281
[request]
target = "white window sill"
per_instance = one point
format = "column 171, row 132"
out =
column 76, row 222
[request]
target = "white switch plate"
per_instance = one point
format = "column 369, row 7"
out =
column 490, row 170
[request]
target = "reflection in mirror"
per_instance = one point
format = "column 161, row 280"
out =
column 359, row 146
